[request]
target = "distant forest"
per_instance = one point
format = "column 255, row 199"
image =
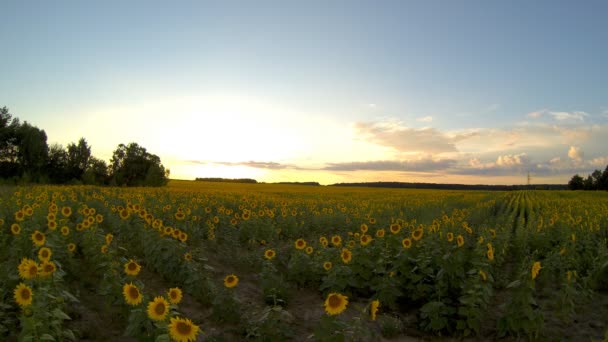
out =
column 26, row 157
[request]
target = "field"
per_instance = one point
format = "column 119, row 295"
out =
column 232, row 262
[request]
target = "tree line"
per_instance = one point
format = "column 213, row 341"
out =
column 26, row 157
column 597, row 180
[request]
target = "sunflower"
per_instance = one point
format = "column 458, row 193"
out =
column 483, row 275
column 231, row 281
column 183, row 237
column 109, row 238
column 234, row 221
column 15, row 229
column 180, row 216
column 19, row 216
column 372, row 220
column 380, row 233
column 395, row 228
column 365, row 239
column 182, row 329
column 336, row 240
column 132, row 268
column 535, row 269
column 71, row 247
column 104, row 249
column 493, row 232
column 346, row 256
column 323, row 241
column 66, row 211
column 99, row 218
column 158, row 308
column 309, row 250
column 300, row 244
column 373, row 310
column 490, row 252
column 335, row 303
column 351, row 244
column 38, row 238
column 460, row 240
column 407, row 243
column 327, row 265
column 450, row 237
column 188, row 256
column 65, row 230
column 269, row 254
column 124, row 214
column 44, row 254
column 175, row 295
column 23, row 295
column 417, row 234
column 132, row 294
column 47, row 268
column 28, row 268
column 364, row 228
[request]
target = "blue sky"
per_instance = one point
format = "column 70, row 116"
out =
column 438, row 91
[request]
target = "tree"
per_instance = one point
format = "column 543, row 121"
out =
column 32, row 151
column 78, row 158
column 576, row 183
column 57, row 167
column 132, row 165
column 9, row 167
column 96, row 173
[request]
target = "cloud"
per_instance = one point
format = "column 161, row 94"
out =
column 575, row 153
column 405, row 139
column 512, row 160
column 427, row 118
column 253, row 164
column 569, row 116
column 422, row 165
column 537, row 114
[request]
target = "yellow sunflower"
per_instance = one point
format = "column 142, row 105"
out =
column 364, row 228
column 417, row 234
column 269, row 254
column 124, row 214
column 65, row 230
column 323, row 241
column 373, row 310
column 407, row 243
column 182, row 329
column 188, row 256
column 44, row 254
column 47, row 268
column 483, row 275
column 395, row 228
column 335, row 303
column 109, row 238
column 309, row 250
column 336, row 240
column 158, row 308
column 365, row 239
column 132, row 268
column 38, row 238
column 535, row 269
column 15, row 229
column 175, row 295
column 71, row 247
column 300, row 244
column 231, row 281
column 450, row 237
column 327, row 265
column 104, row 249
column 346, row 256
column 380, row 233
column 460, row 240
column 66, row 211
column 28, row 268
column 23, row 295
column 132, row 294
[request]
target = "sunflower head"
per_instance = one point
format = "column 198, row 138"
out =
column 47, row 268
column 270, row 254
column 38, row 238
column 23, row 295
column 132, row 294
column 132, row 268
column 535, row 269
column 158, row 308
column 231, row 281
column 450, row 237
column 395, row 228
column 327, row 265
column 71, row 247
column 346, row 256
column 373, row 309
column 336, row 240
column 309, row 250
column 182, row 329
column 407, row 243
column 417, row 234
column 335, row 303
column 300, row 244
column 175, row 295
column 460, row 240
column 44, row 254
column 28, row 268
column 15, row 229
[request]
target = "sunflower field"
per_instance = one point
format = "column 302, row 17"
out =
column 197, row 261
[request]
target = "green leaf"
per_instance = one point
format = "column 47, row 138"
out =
column 46, row 337
column 60, row 314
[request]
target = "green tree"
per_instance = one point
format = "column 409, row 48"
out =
column 9, row 166
column 576, row 183
column 57, row 168
column 32, row 152
column 78, row 158
column 132, row 165
column 96, row 173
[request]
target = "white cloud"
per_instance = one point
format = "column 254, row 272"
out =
column 512, row 160
column 427, row 118
column 571, row 116
column 575, row 153
column 537, row 114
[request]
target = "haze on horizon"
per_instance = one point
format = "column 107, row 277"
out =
column 471, row 92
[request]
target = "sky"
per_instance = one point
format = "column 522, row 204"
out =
column 473, row 92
